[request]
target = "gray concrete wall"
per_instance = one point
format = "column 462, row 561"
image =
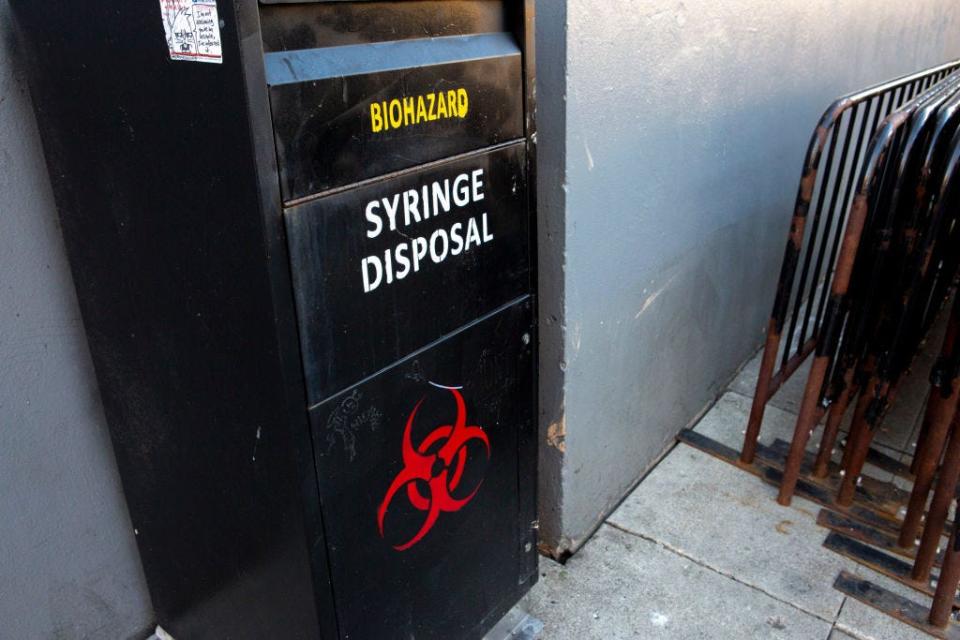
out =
column 668, row 199
column 68, row 560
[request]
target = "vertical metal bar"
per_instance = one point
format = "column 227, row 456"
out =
column 874, row 114
column 945, row 595
column 916, row 88
column 811, row 243
column 858, row 413
column 881, row 388
column 801, row 433
column 888, row 102
column 941, row 409
column 831, row 217
column 858, row 443
column 749, row 450
column 854, row 170
column 808, row 408
column 939, row 506
column 821, row 467
column 897, row 98
column 910, row 90
column 781, row 303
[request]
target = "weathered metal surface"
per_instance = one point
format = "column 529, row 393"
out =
column 893, row 605
column 875, row 559
column 767, row 466
column 938, row 510
column 804, row 428
column 831, row 429
column 947, row 200
column 941, row 408
column 884, row 539
column 945, row 595
column 871, row 493
column 386, row 106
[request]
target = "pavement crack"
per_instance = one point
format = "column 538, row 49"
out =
column 836, row 618
column 750, row 398
column 721, row 572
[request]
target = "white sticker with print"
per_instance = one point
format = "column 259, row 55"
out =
column 192, row 28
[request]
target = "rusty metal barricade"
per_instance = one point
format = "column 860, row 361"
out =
column 828, row 188
column 872, row 257
column 937, row 244
column 837, row 156
column 860, row 290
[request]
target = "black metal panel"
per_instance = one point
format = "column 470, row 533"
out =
column 429, row 536
column 318, row 109
column 523, row 20
column 293, row 24
column 893, row 604
column 347, row 332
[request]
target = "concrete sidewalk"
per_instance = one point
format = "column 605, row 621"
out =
column 702, row 550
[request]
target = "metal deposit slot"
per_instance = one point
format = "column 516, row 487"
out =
column 387, row 106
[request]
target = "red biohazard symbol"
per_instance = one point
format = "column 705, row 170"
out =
column 437, row 464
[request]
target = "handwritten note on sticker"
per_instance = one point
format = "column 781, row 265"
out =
column 192, row 28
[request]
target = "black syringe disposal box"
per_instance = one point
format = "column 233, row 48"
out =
column 302, row 238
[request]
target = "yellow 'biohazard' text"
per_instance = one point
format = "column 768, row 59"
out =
column 413, row 110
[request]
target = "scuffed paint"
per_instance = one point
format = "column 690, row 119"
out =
column 557, row 435
column 650, row 299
